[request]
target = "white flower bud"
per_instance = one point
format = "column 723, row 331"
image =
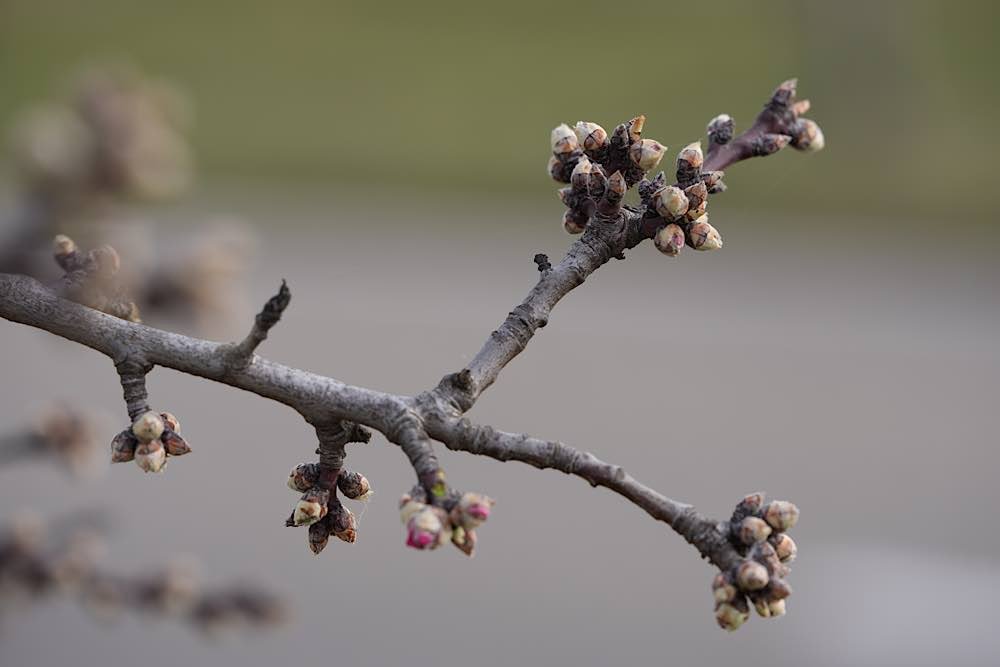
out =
column 148, row 427
column 729, row 617
column 810, row 137
column 473, row 509
column 311, row 507
column 691, row 156
column 647, row 153
column 670, row 202
column 669, row 240
column 151, row 456
column 563, row 140
column 703, row 236
column 591, row 136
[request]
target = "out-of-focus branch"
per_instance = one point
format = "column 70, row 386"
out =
column 750, row 548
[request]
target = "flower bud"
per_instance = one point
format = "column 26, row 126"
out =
column 63, row 249
column 303, row 477
column 408, row 507
column 555, row 170
column 617, row 186
column 670, row 202
column 750, row 504
column 781, row 514
column 646, row 153
column 697, row 195
column 689, row 162
column 170, row 422
column 761, row 605
column 635, row 127
column 123, row 447
column 669, row 240
column 778, row 589
column 426, row 529
column 703, row 236
column 723, row 589
column 343, row 524
column 591, row 136
column 777, row 608
column 730, row 617
column 753, row 530
column 472, row 510
column 580, row 177
column 769, row 144
column 148, row 427
column 784, row 547
column 311, row 508
column 751, row 575
column 571, row 223
column 151, row 456
column 175, row 444
column 720, row 129
column 565, row 196
column 563, row 140
column 319, row 536
column 809, row 137
column 801, row 107
column 354, row 485
column 465, row 540
column 713, row 181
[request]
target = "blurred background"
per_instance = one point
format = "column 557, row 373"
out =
column 387, row 160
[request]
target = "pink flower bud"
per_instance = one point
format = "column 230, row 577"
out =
column 670, row 202
column 473, row 509
column 669, row 240
column 591, row 136
column 427, row 529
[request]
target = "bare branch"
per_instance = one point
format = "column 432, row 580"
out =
column 242, row 353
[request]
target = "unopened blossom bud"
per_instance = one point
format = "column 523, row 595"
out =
column 809, row 137
column 770, row 143
column 408, row 507
column 646, row 153
column 753, row 530
column 175, row 444
column 784, row 547
column 170, row 422
column 751, row 504
column 697, row 195
column 148, row 427
column 751, row 575
column 343, row 524
column 764, row 553
column 635, row 127
column 670, row 202
column 723, row 589
column 730, row 617
column 580, row 178
column 778, row 589
column 311, row 507
column 565, row 196
column 303, row 477
column 151, row 456
column 571, row 223
column 555, row 170
column 123, row 447
column 426, row 529
column 761, row 605
column 720, row 129
column 473, row 509
column 781, row 514
column 689, row 162
column 777, row 608
column 703, row 236
column 591, row 136
column 669, row 240
column 801, row 107
column 354, row 485
column 713, row 181
column 563, row 140
column 464, row 539
column 319, row 536
column 617, row 186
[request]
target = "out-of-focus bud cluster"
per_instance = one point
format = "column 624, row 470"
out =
column 758, row 531
column 455, row 520
column 38, row 561
column 91, row 278
column 62, row 434
column 599, row 168
column 150, row 441
column 120, row 134
column 320, row 509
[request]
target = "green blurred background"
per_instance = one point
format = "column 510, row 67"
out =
column 458, row 95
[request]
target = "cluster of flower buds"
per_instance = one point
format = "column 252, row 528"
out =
column 152, row 438
column 429, row 526
column 758, row 530
column 92, row 278
column 599, row 168
column 320, row 509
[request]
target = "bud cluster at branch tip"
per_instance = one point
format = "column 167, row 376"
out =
column 319, row 509
column 757, row 531
column 429, row 526
column 151, row 440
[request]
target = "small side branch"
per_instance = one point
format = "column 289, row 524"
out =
column 242, row 353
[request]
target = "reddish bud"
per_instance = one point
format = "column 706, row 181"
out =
column 175, row 444
column 151, row 456
column 669, row 240
column 303, row 477
column 123, row 447
column 354, row 485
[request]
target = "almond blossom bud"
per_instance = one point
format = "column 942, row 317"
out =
column 703, row 236
column 669, row 240
column 408, row 507
column 591, row 136
column 635, row 127
column 646, row 153
column 170, row 422
column 781, row 514
column 303, row 477
column 784, row 547
column 809, row 137
column 311, row 508
column 778, row 589
column 354, row 485
column 465, row 540
column 753, row 530
column 697, row 195
column 563, row 140
column 713, row 181
column 426, row 529
column 123, row 447
column 617, row 186
column 580, row 178
column 723, row 589
column 730, row 616
column 689, row 162
column 319, row 536
column 151, row 456
column 720, row 129
column 777, row 608
column 148, row 427
column 175, row 444
column 571, row 223
column 670, row 202
column 555, row 170
column 472, row 510
column 343, row 524
column 751, row 575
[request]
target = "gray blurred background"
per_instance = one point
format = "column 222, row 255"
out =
column 839, row 351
